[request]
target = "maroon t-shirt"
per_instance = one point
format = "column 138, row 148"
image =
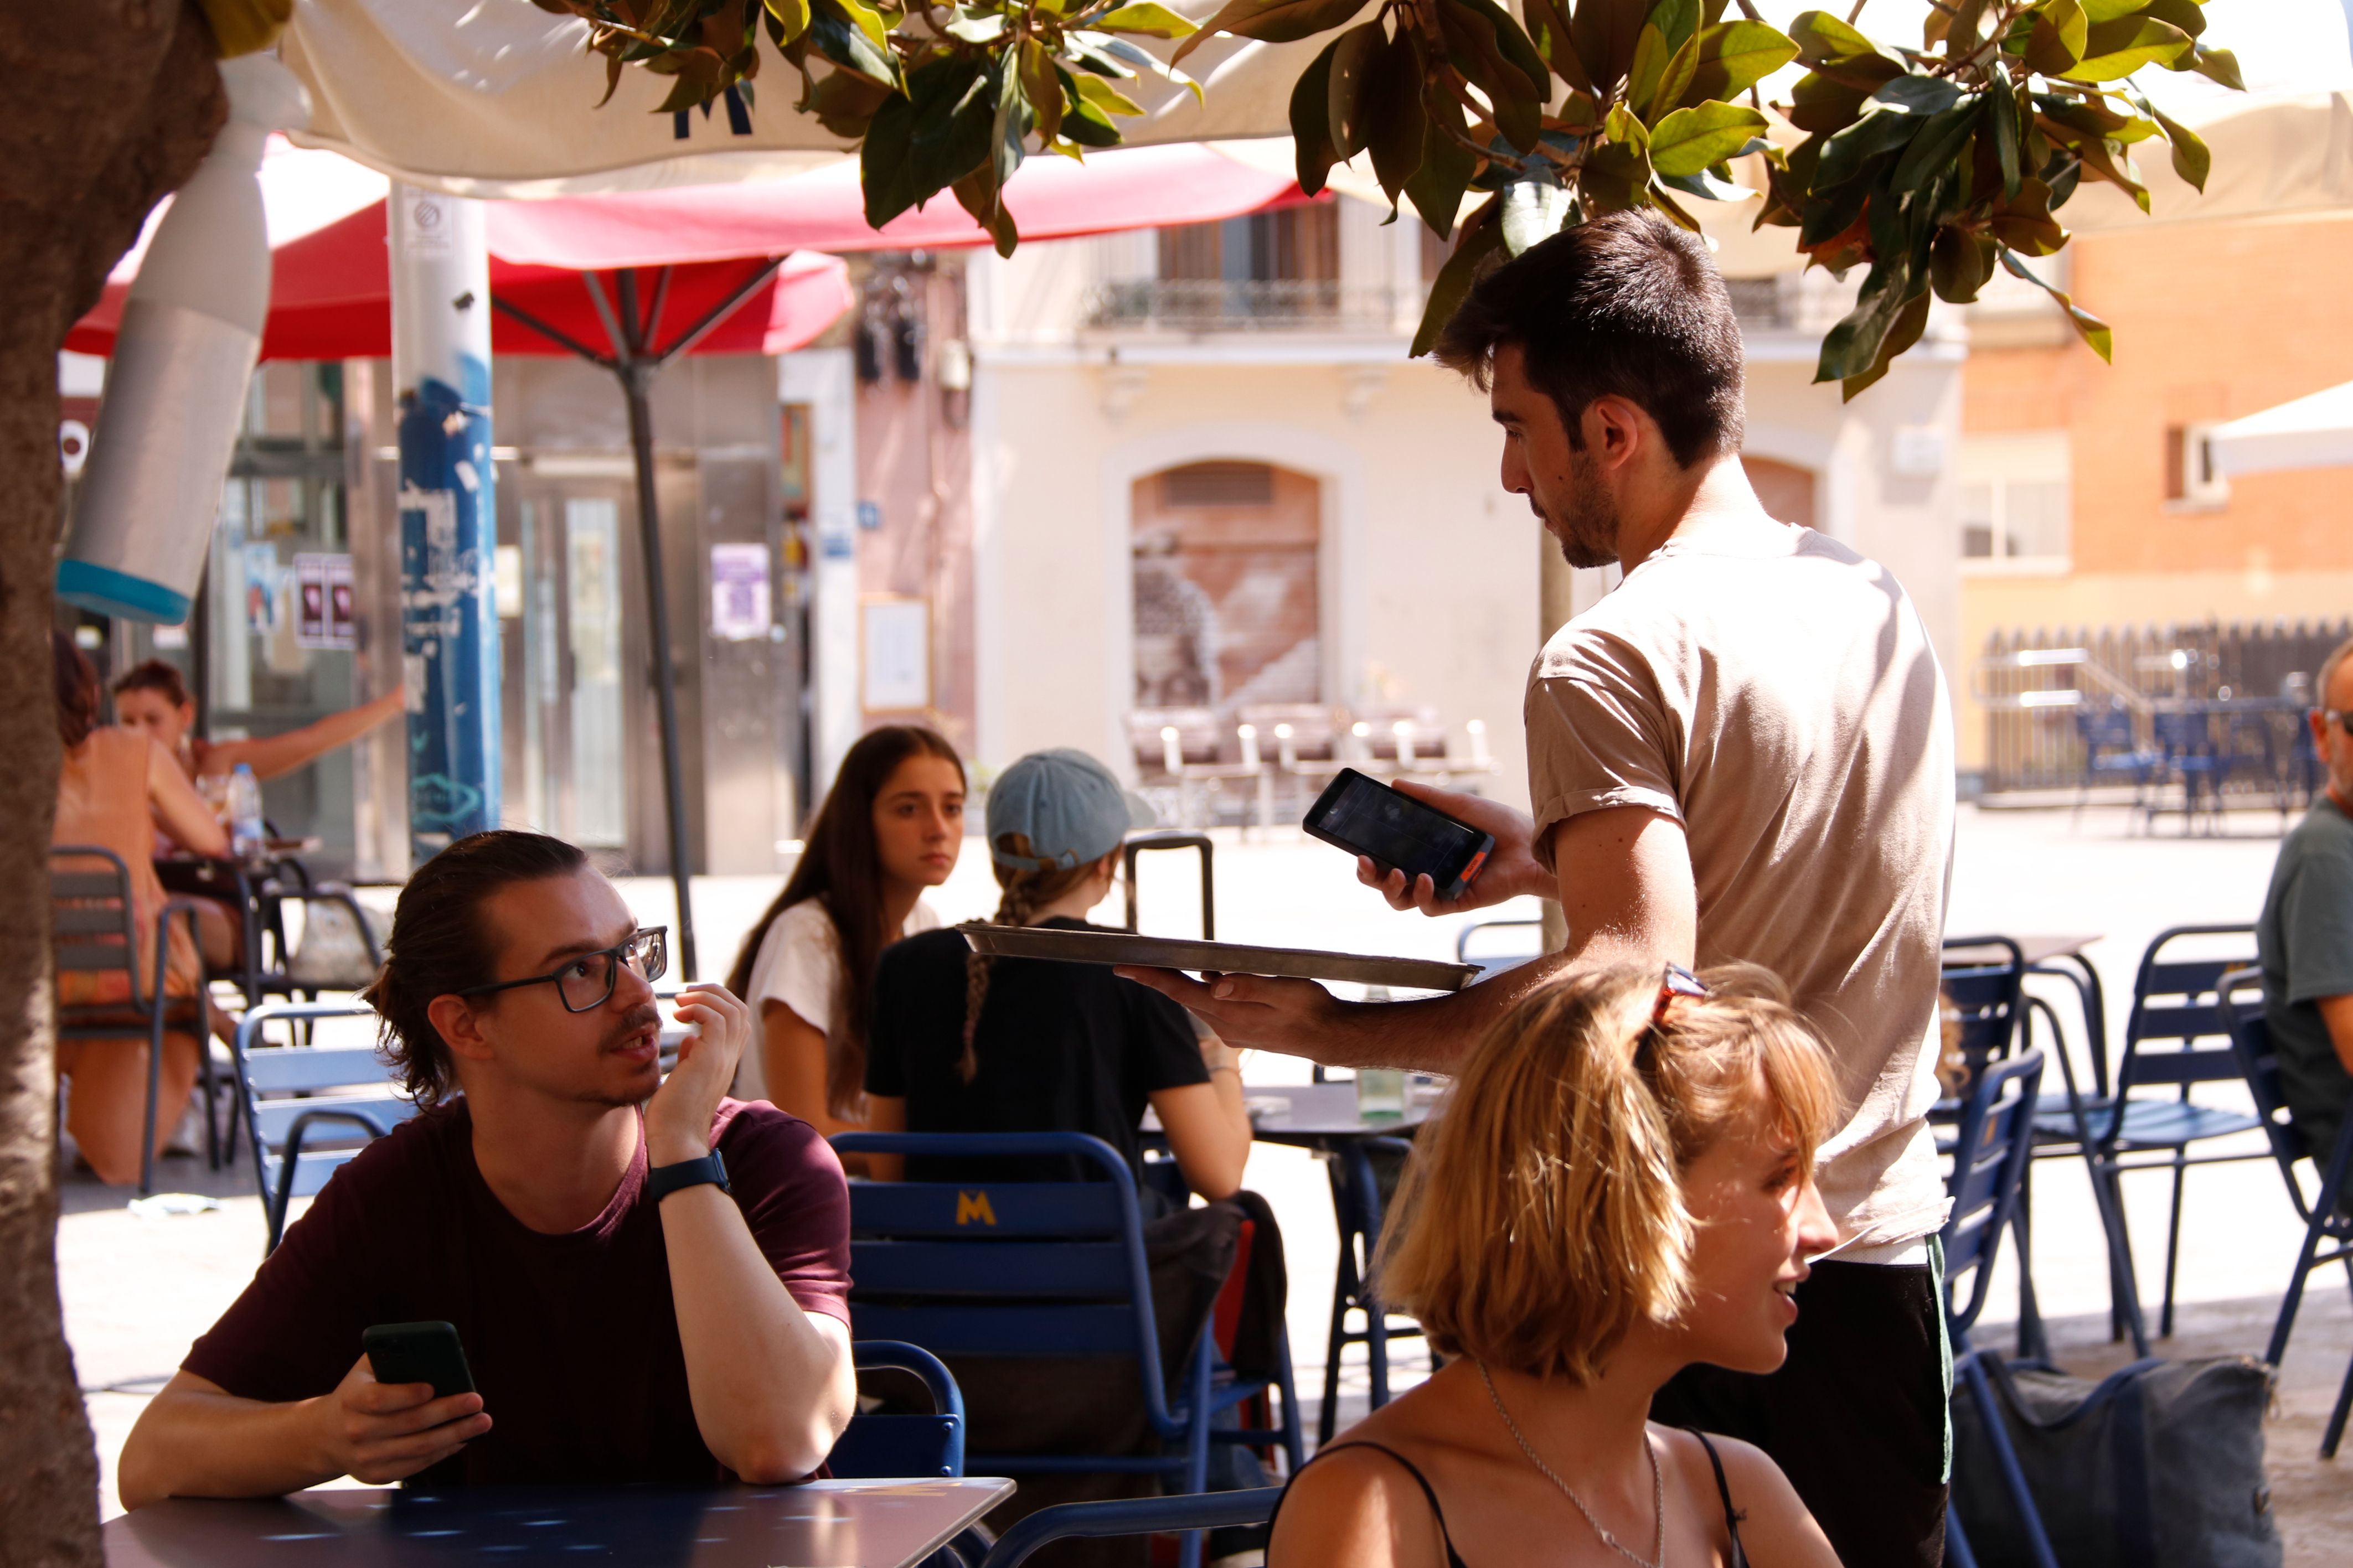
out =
column 573, row 1340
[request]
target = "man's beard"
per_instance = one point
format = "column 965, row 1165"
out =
column 1587, row 528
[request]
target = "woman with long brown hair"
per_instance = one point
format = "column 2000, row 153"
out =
column 891, row 826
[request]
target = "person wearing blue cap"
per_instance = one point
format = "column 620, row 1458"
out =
column 960, row 1043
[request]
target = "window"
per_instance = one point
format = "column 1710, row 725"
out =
column 2016, row 498
column 2191, row 479
column 1297, row 244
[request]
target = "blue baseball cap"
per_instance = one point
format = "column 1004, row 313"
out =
column 1069, row 805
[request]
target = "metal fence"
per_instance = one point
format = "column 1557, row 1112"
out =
column 2047, row 691
column 1210, row 304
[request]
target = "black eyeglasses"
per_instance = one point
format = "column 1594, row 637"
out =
column 585, row 982
column 2342, row 720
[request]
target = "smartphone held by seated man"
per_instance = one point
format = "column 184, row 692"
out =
column 566, row 1268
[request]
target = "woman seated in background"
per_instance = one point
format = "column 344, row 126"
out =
column 153, row 700
column 891, row 826
column 116, row 790
column 1620, row 1185
column 966, row 1044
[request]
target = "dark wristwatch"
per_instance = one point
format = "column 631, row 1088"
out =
column 663, row 1180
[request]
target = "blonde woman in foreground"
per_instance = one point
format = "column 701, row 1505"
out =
column 1621, row 1186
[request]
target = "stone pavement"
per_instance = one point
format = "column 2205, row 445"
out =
column 137, row 1290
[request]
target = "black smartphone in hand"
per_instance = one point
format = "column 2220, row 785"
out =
column 418, row 1352
column 1396, row 831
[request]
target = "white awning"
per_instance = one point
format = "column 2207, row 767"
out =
column 2315, row 432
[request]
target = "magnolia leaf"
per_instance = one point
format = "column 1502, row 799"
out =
column 1847, row 155
column 1915, row 94
column 1910, row 322
column 2025, row 224
column 846, row 43
column 868, row 21
column 1349, row 127
column 1735, row 57
column 1437, row 187
column 1511, row 41
column 2002, row 111
column 1605, row 33
column 2090, row 328
column 1823, row 37
column 1107, row 98
column 1271, row 21
column 1481, row 235
column 1651, row 52
column 2215, row 65
column 1043, row 84
column 2113, row 50
column 1959, row 263
column 1144, row 17
column 1088, row 126
column 1706, row 185
column 1823, row 105
column 1141, row 58
column 985, row 29
column 791, row 18
column 1689, row 140
column 844, row 102
column 1851, row 347
column 1674, row 82
column 2056, row 42
column 886, row 171
column 2191, row 159
column 1548, row 30
column 2101, row 164
column 1311, row 120
column 1937, row 146
column 1533, row 212
column 1616, row 176
column 1393, row 112
column 979, row 195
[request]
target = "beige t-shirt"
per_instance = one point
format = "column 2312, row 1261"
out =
column 1776, row 693
column 799, row 964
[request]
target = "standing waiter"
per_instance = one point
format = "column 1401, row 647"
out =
column 1743, row 752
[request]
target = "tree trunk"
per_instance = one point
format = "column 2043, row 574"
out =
column 107, row 104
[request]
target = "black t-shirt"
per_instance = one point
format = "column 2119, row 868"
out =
column 1063, row 1047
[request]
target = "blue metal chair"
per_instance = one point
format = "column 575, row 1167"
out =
column 2112, row 749
column 2175, row 1005
column 91, row 925
column 1138, row 1516
column 1357, row 1201
column 2185, row 745
column 884, row 1445
column 2328, row 1228
column 309, row 1109
column 1006, row 1269
column 1989, row 1157
column 1987, row 1001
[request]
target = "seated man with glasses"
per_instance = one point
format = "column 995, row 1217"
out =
column 649, row 1280
column 2304, row 939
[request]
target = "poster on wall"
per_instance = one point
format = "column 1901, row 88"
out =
column 740, row 607
column 898, row 653
column 322, row 600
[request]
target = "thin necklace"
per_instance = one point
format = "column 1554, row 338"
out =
column 1658, row 1556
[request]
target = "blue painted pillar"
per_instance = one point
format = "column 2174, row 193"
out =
column 449, row 513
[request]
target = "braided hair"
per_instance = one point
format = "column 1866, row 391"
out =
column 1025, row 893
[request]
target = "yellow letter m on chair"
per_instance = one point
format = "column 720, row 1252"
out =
column 971, row 1206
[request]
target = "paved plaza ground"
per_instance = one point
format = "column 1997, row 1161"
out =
column 136, row 1291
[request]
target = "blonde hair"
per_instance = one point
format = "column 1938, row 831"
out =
column 1542, row 1215
column 1024, row 893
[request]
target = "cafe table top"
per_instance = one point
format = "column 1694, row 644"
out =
column 1313, row 1115
column 820, row 1524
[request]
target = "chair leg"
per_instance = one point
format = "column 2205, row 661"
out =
column 1956, row 1544
column 2285, row 1323
column 1294, row 1428
column 2172, row 1244
column 2336, row 1433
column 205, row 1077
column 2013, row 1475
column 1330, row 1416
column 2033, row 1342
column 2123, row 1277
column 1377, row 1348
column 155, row 1088
column 1196, row 1446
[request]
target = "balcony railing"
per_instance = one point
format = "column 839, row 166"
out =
column 1251, row 305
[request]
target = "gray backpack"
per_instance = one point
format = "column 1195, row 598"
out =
column 2159, row 1465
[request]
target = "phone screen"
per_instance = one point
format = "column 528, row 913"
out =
column 1395, row 830
column 418, row 1352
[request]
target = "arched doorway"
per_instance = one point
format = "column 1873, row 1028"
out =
column 1226, row 607
column 1786, row 489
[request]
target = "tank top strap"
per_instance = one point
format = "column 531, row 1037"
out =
column 1724, row 1491
column 1454, row 1558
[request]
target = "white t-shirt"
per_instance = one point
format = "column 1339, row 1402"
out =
column 1776, row 693
column 799, row 964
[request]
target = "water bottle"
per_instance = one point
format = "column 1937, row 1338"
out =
column 245, row 829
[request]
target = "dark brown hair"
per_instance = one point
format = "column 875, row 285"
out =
column 1624, row 304
column 155, row 675
column 438, row 947
column 841, row 863
column 78, row 691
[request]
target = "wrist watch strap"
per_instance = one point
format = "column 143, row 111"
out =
column 663, row 1180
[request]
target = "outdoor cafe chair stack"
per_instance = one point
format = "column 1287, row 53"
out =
column 92, row 922
column 1994, row 1140
column 2176, row 1007
column 1015, row 1269
column 2328, row 1228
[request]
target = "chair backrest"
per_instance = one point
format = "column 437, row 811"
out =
column 993, row 1268
column 1500, row 956
column 90, row 911
column 1131, row 1516
column 2107, row 728
column 2180, row 733
column 2175, row 1003
column 2251, row 1038
column 1200, row 733
column 1983, row 985
column 886, row 1444
column 314, row 1106
column 1380, row 727
column 1997, row 1137
column 1315, row 729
